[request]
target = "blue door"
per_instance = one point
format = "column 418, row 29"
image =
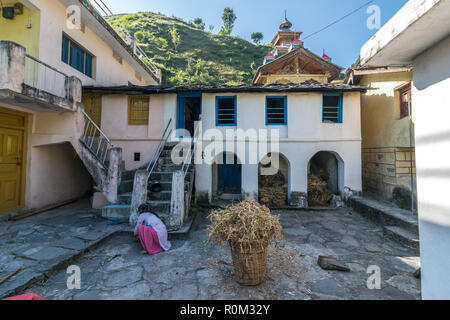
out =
column 229, row 176
column 189, row 106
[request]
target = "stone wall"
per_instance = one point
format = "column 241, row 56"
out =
column 384, row 169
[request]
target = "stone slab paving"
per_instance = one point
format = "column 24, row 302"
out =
column 43, row 243
column 195, row 269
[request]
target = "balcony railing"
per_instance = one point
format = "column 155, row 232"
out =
column 43, row 77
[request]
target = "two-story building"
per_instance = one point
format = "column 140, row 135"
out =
column 294, row 128
column 418, row 36
column 388, row 153
column 49, row 49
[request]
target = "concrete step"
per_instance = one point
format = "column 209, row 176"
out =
column 183, row 232
column 160, row 206
column 385, row 214
column 167, row 185
column 125, row 186
column 168, row 167
column 167, row 153
column 162, row 176
column 124, row 198
column 407, row 238
column 163, row 195
column 116, row 212
column 128, row 175
column 165, row 159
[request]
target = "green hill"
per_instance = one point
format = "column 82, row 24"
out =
column 201, row 57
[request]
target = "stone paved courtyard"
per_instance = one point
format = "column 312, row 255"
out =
column 194, row 269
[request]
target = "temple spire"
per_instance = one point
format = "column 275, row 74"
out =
column 286, row 25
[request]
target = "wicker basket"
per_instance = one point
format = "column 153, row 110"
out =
column 249, row 261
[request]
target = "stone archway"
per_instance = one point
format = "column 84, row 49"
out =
column 274, row 185
column 325, row 178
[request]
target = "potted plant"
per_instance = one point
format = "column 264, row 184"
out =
column 247, row 227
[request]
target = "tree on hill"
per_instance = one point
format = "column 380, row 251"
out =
column 199, row 24
column 228, row 18
column 139, row 36
column 257, row 37
column 176, row 38
column 208, row 59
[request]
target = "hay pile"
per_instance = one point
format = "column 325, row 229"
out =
column 246, row 222
column 318, row 192
column 273, row 190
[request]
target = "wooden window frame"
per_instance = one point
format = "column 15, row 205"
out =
column 340, row 108
column 138, row 122
column 86, row 52
column 284, row 111
column 402, row 90
column 217, row 111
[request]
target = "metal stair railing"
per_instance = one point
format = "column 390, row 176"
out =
column 95, row 139
column 188, row 159
column 151, row 165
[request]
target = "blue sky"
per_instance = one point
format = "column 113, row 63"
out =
column 342, row 41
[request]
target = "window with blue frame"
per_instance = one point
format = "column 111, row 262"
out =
column 77, row 57
column 332, row 108
column 276, row 110
column 226, row 111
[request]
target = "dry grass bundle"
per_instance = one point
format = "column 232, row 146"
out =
column 273, row 196
column 273, row 190
column 276, row 180
column 318, row 192
column 245, row 223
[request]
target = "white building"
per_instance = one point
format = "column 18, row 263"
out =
column 419, row 35
column 314, row 122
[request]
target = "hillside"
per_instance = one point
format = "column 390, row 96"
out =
column 201, row 57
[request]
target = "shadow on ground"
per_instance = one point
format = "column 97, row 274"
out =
column 194, row 269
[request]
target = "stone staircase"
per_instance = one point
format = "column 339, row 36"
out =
column 398, row 224
column 102, row 160
column 159, row 201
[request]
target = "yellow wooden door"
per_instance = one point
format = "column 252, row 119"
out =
column 11, row 168
column 93, row 107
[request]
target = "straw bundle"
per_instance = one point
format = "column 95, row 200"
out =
column 246, row 222
column 273, row 190
column 318, row 193
column 247, row 227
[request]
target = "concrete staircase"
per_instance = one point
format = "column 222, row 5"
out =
column 159, row 201
column 398, row 224
column 102, row 160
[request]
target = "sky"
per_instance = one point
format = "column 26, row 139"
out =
column 342, row 41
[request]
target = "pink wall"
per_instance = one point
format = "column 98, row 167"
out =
column 56, row 174
column 131, row 138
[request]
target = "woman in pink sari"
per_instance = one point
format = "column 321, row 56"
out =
column 151, row 231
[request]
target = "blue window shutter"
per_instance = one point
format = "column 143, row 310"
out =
column 65, row 50
column 76, row 58
column 88, row 65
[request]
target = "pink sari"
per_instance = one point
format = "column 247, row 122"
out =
column 149, row 239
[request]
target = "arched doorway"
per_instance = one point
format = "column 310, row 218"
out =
column 227, row 176
column 273, row 180
column 325, row 178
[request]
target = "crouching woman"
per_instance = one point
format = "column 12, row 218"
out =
column 151, row 231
